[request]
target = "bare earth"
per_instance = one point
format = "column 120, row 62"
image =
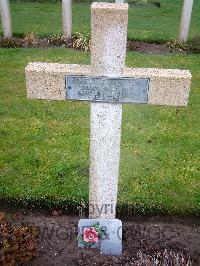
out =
column 142, row 47
column 57, row 242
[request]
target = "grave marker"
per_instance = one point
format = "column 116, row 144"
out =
column 103, row 83
column 5, row 18
column 185, row 20
column 67, row 17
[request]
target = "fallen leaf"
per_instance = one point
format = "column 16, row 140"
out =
column 2, row 216
column 17, row 216
column 56, row 213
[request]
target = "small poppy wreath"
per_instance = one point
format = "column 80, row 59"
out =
column 92, row 235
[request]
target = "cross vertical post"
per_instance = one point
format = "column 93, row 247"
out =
column 108, row 51
column 5, row 18
column 185, row 20
column 67, row 17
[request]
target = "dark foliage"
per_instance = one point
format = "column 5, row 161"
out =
column 194, row 45
column 17, row 243
column 10, row 42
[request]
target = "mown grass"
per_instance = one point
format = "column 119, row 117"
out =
column 146, row 23
column 45, row 145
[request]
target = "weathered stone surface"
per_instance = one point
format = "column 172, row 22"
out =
column 167, row 86
column 112, row 243
column 6, row 18
column 185, row 20
column 67, row 17
column 108, row 51
column 109, row 35
column 47, row 80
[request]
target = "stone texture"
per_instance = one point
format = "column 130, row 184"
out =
column 6, row 18
column 108, row 52
column 109, row 35
column 67, row 17
column 47, row 80
column 167, row 86
column 112, row 243
column 185, row 20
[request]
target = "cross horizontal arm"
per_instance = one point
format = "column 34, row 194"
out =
column 167, row 86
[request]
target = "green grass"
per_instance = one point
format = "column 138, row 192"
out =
column 145, row 23
column 45, row 145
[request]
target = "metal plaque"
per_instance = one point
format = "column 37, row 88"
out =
column 105, row 89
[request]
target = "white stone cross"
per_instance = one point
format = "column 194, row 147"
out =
column 185, row 20
column 108, row 50
column 67, row 17
column 6, row 18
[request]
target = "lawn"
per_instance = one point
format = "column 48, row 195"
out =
column 45, row 145
column 145, row 23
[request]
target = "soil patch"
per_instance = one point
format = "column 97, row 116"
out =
column 143, row 47
column 147, row 5
column 150, row 48
column 142, row 237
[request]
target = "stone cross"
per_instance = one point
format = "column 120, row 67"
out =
column 5, row 18
column 106, row 83
column 67, row 17
column 185, row 20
